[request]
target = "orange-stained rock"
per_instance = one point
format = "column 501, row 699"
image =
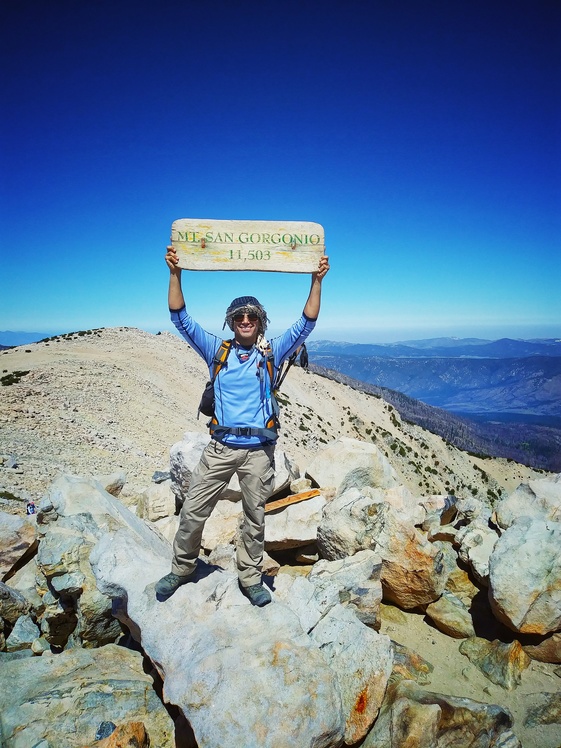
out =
column 546, row 650
column 129, row 735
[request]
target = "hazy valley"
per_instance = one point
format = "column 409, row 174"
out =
column 495, row 402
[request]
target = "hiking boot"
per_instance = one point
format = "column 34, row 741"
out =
column 257, row 594
column 167, row 585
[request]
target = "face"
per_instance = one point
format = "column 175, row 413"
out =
column 246, row 328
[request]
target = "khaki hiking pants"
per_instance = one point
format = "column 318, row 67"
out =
column 218, row 463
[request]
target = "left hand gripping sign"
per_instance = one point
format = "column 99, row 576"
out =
column 274, row 246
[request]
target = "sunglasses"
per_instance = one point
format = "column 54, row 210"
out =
column 240, row 318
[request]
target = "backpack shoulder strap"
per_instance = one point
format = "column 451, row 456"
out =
column 283, row 372
column 221, row 357
column 270, row 364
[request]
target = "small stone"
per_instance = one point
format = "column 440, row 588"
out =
column 451, row 616
column 409, row 665
column 160, row 476
column 40, row 645
column 105, row 729
column 300, row 484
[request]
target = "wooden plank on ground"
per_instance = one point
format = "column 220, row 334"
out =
column 277, row 246
column 294, row 499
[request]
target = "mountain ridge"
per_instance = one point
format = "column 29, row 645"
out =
column 453, row 348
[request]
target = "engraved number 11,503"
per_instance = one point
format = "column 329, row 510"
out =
column 251, row 254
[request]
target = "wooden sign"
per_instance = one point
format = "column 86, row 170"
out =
column 295, row 498
column 282, row 247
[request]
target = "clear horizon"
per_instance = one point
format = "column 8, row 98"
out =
column 423, row 137
column 380, row 339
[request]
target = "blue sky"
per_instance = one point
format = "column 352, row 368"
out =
column 423, row 136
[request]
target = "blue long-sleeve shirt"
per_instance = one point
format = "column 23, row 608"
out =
column 242, row 389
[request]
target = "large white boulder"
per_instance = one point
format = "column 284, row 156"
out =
column 243, row 676
column 540, row 499
column 348, row 463
column 525, row 576
column 293, row 525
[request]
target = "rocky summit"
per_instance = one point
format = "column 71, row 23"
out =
column 416, row 588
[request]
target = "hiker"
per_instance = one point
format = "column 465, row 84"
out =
column 243, row 429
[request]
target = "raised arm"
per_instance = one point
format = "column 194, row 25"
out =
column 175, row 294
column 311, row 309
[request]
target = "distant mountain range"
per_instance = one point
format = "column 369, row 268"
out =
column 442, row 348
column 9, row 338
column 472, row 377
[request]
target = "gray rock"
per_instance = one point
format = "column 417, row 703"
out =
column 546, row 712
column 293, row 525
column 12, row 604
column 24, row 582
column 20, row 654
column 361, row 661
column 476, row 542
column 414, row 571
column 160, row 476
column 308, row 602
column 113, row 483
column 73, row 515
column 23, row 634
column 224, row 556
column 300, row 484
column 79, row 607
column 184, row 457
column 223, row 524
column 470, row 510
column 156, row 502
column 70, row 694
column 408, row 665
column 546, row 650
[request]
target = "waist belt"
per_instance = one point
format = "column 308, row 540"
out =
column 218, row 431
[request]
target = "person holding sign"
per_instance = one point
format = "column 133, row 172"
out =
column 243, row 429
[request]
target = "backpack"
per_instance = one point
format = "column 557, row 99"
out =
column 206, row 406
